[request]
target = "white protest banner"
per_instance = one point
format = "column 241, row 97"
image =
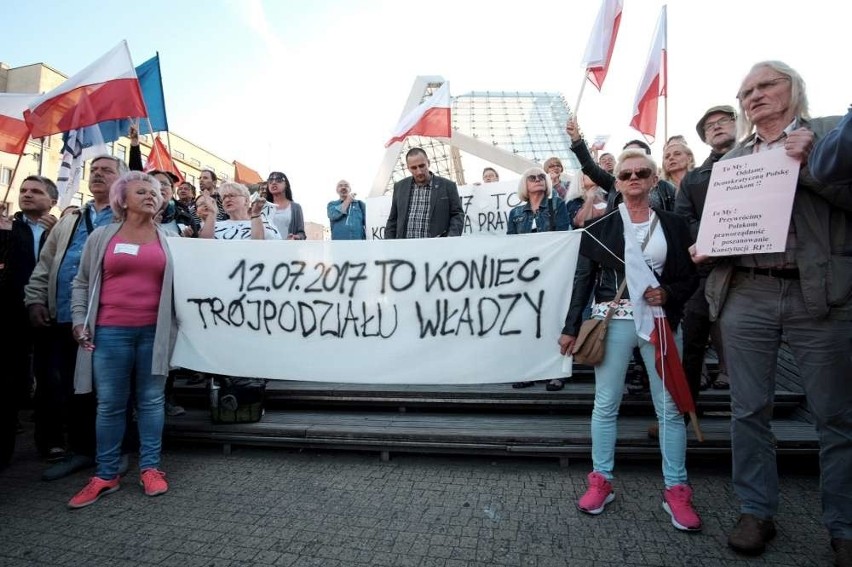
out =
column 430, row 311
column 748, row 206
column 486, row 207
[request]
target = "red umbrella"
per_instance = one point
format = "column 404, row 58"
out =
column 670, row 369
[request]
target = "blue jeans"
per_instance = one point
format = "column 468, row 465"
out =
column 122, row 357
column 757, row 311
column 621, row 339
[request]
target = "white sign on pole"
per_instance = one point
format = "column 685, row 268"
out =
column 430, row 311
column 748, row 206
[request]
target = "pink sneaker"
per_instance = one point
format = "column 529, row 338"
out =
column 96, row 488
column 597, row 496
column 154, row 482
column 678, row 503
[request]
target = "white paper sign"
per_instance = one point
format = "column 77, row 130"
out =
column 431, row 311
column 486, row 208
column 748, row 206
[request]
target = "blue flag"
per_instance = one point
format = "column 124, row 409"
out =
column 151, row 84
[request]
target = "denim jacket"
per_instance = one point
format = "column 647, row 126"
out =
column 520, row 219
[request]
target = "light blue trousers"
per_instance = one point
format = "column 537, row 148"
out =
column 621, row 339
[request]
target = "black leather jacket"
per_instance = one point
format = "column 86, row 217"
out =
column 598, row 270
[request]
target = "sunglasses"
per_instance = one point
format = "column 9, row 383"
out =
column 537, row 177
column 275, row 180
column 643, row 173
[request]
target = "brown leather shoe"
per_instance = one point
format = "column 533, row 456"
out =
column 842, row 552
column 750, row 535
column 654, row 430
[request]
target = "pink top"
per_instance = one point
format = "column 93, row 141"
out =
column 132, row 282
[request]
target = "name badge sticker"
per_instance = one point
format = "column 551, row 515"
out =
column 125, row 248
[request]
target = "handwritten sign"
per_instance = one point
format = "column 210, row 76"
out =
column 430, row 311
column 749, row 203
column 486, row 208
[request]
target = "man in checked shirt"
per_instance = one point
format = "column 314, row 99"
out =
column 424, row 205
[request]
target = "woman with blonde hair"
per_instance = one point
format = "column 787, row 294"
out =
column 542, row 210
column 636, row 243
column 678, row 160
column 121, row 302
column 245, row 217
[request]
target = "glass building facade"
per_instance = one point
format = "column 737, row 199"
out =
column 531, row 124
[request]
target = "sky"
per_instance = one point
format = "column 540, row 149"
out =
column 315, row 88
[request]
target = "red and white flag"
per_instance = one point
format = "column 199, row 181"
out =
column 430, row 118
column 602, row 41
column 14, row 132
column 650, row 320
column 653, row 84
column 161, row 160
column 108, row 89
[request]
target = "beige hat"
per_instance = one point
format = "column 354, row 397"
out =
column 713, row 110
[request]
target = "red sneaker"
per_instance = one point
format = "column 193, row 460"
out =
column 154, row 482
column 96, row 488
column 597, row 496
column 678, row 503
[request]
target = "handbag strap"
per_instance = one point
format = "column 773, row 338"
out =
column 618, row 295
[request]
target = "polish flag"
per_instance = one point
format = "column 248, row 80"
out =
column 651, row 322
column 14, row 132
column 602, row 41
column 109, row 87
column 430, row 118
column 161, row 160
column 653, row 84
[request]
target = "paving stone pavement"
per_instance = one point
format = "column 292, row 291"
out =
column 265, row 506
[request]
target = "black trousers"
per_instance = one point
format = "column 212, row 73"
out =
column 59, row 412
column 697, row 329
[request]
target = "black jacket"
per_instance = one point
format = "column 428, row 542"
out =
column 598, row 270
column 18, row 263
column 446, row 215
column 689, row 202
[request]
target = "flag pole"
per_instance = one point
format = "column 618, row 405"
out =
column 163, row 96
column 15, row 171
column 665, row 69
column 580, row 96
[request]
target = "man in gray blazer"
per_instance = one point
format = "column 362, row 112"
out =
column 424, row 205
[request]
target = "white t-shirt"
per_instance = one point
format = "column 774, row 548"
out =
column 281, row 219
column 656, row 249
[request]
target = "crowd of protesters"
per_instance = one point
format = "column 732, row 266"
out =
column 89, row 295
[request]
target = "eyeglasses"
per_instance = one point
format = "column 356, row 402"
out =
column 536, row 177
column 231, row 196
column 763, row 86
column 724, row 121
column 642, row 173
column 275, row 180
